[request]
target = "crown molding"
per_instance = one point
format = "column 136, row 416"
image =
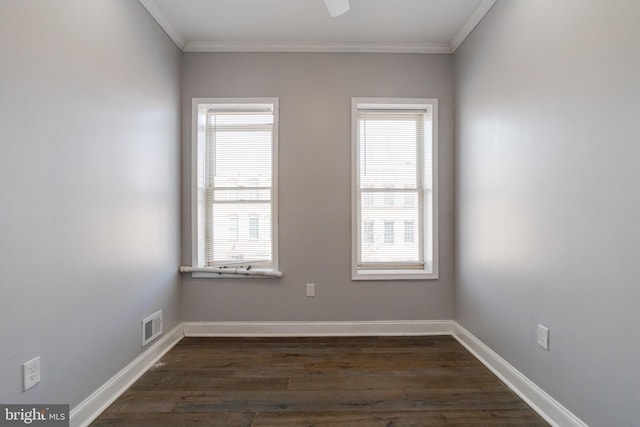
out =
column 312, row 47
column 470, row 24
column 359, row 47
column 165, row 23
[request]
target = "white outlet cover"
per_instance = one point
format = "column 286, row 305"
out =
column 31, row 373
column 311, row 289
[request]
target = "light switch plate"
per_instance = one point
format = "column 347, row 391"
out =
column 543, row 337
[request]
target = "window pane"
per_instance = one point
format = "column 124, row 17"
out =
column 388, row 247
column 253, row 239
column 368, row 232
column 254, row 224
column 241, row 158
column 388, row 232
column 388, row 152
column 233, row 228
column 408, row 232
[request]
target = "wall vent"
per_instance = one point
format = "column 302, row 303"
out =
column 151, row 327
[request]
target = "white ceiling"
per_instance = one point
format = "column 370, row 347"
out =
column 424, row 26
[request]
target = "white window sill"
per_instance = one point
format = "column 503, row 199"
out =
column 393, row 275
column 240, row 273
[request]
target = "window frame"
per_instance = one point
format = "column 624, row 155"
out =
column 199, row 105
column 430, row 237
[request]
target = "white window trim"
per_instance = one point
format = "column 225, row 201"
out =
column 430, row 270
column 197, row 241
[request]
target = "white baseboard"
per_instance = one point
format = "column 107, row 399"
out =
column 541, row 402
column 311, row 329
column 90, row 408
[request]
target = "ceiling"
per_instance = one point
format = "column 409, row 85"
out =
column 408, row 26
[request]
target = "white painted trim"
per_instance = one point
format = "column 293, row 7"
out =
column 541, row 402
column 164, row 22
column 312, row 329
column 91, row 407
column 354, row 47
column 471, row 23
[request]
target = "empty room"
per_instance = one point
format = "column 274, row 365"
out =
column 319, row 212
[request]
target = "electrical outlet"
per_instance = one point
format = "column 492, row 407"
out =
column 31, row 373
column 543, row 337
column 311, row 289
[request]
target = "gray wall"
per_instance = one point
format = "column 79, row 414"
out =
column 88, row 191
column 548, row 161
column 315, row 93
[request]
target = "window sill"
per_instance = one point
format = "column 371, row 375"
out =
column 239, row 273
column 393, row 275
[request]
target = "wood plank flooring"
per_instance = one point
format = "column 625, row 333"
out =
column 324, row 381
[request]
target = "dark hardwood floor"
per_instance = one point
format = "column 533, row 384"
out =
column 337, row 381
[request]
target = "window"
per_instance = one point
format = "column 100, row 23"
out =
column 368, row 232
column 388, row 231
column 235, row 197
column 253, row 228
column 394, row 171
column 233, row 227
column 408, row 232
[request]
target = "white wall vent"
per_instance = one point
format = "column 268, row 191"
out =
column 151, row 327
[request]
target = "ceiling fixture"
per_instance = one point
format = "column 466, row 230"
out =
column 337, row 7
